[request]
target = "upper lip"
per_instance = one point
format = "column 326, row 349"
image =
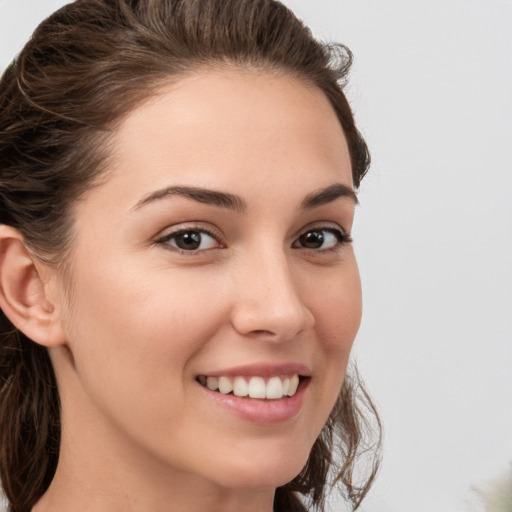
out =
column 261, row 370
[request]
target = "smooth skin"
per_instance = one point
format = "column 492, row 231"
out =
column 143, row 311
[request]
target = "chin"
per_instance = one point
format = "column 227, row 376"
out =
column 275, row 471
column 260, row 479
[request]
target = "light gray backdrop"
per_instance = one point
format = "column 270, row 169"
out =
column 431, row 87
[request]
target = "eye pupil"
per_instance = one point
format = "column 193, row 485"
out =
column 312, row 239
column 189, row 240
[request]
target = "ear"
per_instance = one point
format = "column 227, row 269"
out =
column 24, row 291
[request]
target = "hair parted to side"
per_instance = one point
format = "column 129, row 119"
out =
column 83, row 70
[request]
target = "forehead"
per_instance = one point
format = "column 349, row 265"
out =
column 231, row 129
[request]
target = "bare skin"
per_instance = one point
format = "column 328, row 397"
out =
column 148, row 316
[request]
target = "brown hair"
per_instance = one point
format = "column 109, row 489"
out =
column 85, row 67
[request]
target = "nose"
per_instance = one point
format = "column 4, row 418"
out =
column 269, row 302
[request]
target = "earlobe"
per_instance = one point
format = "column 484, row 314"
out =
column 23, row 294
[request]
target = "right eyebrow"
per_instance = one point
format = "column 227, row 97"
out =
column 327, row 195
column 201, row 195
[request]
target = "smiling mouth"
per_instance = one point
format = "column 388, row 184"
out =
column 273, row 388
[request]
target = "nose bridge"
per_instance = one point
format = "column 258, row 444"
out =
column 270, row 302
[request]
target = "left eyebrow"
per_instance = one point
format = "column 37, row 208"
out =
column 327, row 195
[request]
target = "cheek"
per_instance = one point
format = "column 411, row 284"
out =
column 337, row 308
column 134, row 325
column 133, row 339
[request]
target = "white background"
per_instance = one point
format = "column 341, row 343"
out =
column 432, row 91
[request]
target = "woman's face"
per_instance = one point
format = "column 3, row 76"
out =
column 217, row 251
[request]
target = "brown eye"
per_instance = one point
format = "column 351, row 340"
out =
column 312, row 239
column 191, row 240
column 321, row 239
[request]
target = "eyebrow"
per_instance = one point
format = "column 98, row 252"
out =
column 236, row 203
column 201, row 195
column 327, row 195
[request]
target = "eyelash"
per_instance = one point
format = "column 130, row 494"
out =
column 164, row 240
column 341, row 236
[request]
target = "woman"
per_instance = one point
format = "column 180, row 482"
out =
column 179, row 294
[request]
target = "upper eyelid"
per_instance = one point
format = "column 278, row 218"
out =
column 324, row 225
column 174, row 231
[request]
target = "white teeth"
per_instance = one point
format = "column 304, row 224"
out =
column 274, row 388
column 294, row 383
column 255, row 387
column 240, row 387
column 212, row 383
column 286, row 386
column 225, row 385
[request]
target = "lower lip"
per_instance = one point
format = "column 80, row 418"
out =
column 264, row 412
